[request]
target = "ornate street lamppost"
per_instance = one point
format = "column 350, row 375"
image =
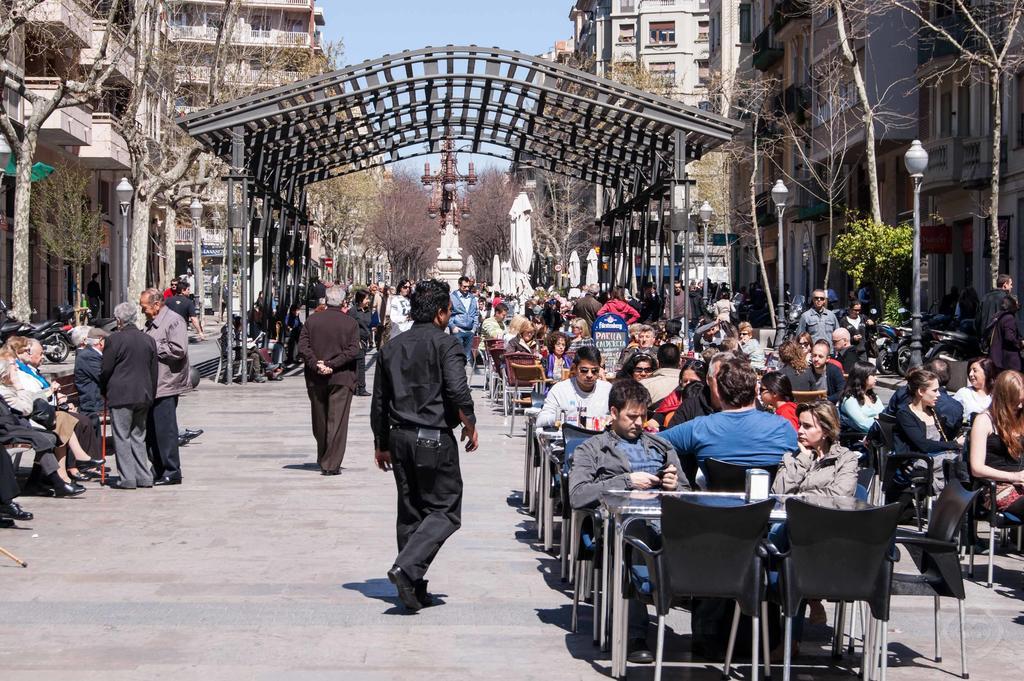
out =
column 445, row 204
column 195, row 209
column 705, row 213
column 916, row 161
column 779, row 196
column 124, row 192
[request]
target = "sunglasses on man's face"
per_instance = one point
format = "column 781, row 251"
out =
column 819, row 297
column 589, row 370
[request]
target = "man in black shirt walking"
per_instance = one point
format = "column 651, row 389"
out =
column 420, row 395
column 182, row 303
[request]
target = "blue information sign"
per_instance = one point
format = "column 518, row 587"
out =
column 611, row 335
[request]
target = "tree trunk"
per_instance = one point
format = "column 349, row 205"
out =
column 21, row 299
column 170, row 237
column 869, row 115
column 759, row 249
column 831, row 235
column 77, row 302
column 139, row 244
column 995, row 82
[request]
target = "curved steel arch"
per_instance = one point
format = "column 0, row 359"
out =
column 546, row 114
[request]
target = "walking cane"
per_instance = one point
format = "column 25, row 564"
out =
column 13, row 557
column 103, row 444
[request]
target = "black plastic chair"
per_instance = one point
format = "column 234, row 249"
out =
column 936, row 553
column 709, row 550
column 837, row 555
column 723, row 476
column 997, row 520
column 572, row 437
column 893, row 465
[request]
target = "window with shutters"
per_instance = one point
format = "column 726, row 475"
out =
column 663, row 32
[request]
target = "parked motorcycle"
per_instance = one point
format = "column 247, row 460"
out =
column 953, row 346
column 889, row 344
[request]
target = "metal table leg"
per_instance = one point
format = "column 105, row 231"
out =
column 606, row 572
column 617, row 605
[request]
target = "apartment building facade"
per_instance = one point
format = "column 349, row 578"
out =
column 59, row 35
column 274, row 42
column 814, row 103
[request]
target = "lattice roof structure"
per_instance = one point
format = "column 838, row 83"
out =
column 532, row 112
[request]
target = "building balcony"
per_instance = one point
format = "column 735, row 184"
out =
column 108, row 150
column 932, row 45
column 124, row 67
column 70, row 126
column 945, row 156
column 788, row 14
column 977, row 162
column 767, row 51
column 796, row 100
column 246, row 35
column 240, row 76
column 67, row 22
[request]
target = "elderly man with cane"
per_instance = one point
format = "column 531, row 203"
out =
column 128, row 380
column 329, row 348
column 168, row 331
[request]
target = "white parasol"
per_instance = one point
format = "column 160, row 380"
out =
column 507, row 287
column 496, row 272
column 520, row 221
column 574, row 269
column 592, row 265
column 470, row 270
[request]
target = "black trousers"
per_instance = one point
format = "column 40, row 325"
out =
column 8, row 480
column 162, row 437
column 361, row 371
column 429, row 498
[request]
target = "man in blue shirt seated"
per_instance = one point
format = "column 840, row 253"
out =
column 739, row 434
column 624, row 457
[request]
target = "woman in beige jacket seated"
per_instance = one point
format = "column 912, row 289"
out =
column 21, row 400
column 821, row 465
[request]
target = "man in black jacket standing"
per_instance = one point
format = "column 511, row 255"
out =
column 361, row 313
column 128, row 380
column 989, row 306
column 420, row 395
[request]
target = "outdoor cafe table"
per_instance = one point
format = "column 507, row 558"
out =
column 621, row 508
column 529, row 479
column 548, row 440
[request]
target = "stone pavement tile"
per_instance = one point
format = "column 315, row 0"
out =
column 259, row 568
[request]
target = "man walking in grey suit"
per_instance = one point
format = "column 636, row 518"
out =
column 128, row 381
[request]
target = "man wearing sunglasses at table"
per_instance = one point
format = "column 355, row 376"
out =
column 583, row 389
column 624, row 457
column 819, row 321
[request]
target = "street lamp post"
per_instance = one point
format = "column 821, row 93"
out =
column 705, row 213
column 916, row 160
column 195, row 209
column 779, row 196
column 124, row 191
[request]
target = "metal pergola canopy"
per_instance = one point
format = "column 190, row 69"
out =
column 532, row 112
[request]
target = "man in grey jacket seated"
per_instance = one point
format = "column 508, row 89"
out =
column 624, row 457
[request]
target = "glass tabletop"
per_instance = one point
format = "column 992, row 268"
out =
column 648, row 502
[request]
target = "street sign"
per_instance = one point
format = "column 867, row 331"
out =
column 611, row 334
column 328, row 263
column 558, row 267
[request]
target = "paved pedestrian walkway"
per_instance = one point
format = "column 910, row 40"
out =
column 259, row 568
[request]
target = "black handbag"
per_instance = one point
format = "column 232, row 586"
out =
column 44, row 413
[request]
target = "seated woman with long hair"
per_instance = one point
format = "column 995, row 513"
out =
column 976, row 396
column 859, row 407
column 918, row 428
column 777, row 397
column 794, row 365
column 557, row 359
column 580, row 334
column 997, row 443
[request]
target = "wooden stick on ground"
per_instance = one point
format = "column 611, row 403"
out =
column 13, row 557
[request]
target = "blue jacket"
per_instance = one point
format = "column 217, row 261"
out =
column 465, row 313
column 88, row 363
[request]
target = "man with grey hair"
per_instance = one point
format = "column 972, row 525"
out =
column 168, row 331
column 843, row 352
column 329, row 347
column 88, row 361
column 128, row 381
